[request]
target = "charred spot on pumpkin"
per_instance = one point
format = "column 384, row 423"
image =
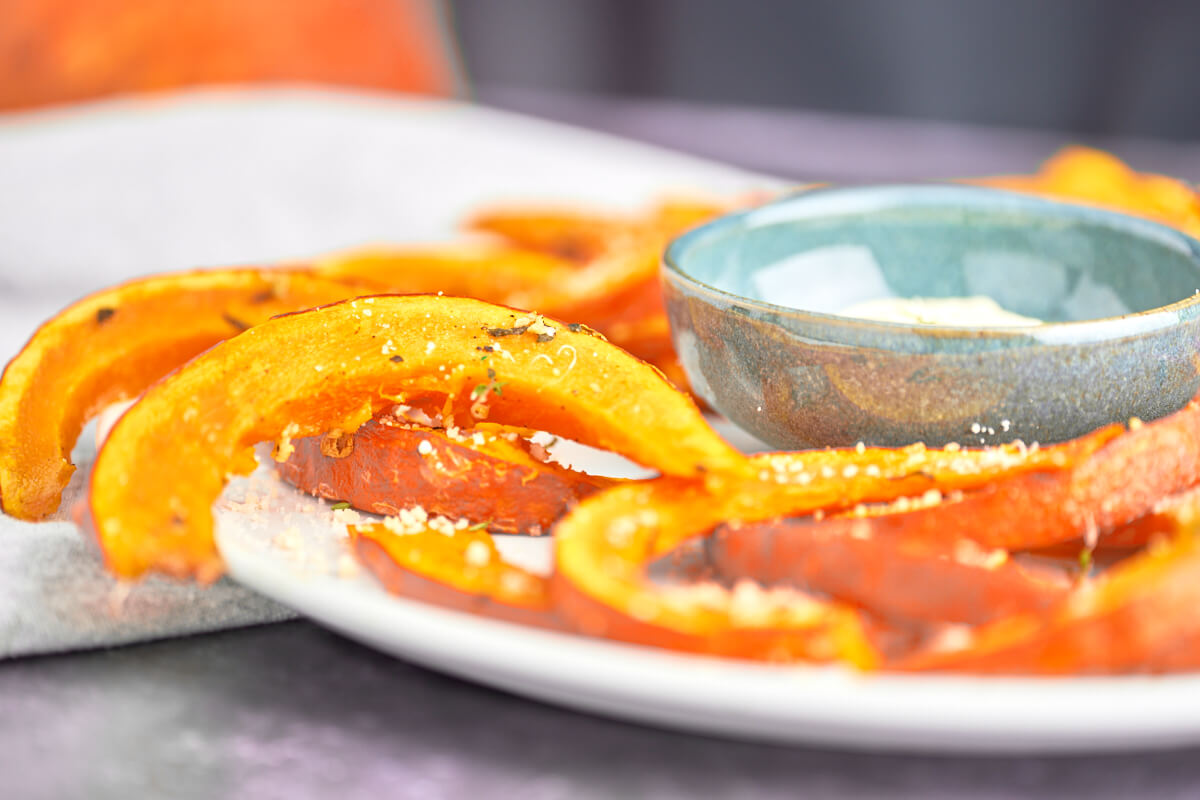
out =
column 234, row 321
column 396, row 359
column 923, row 473
column 572, row 249
column 497, row 333
column 579, row 327
column 487, row 348
column 337, row 444
column 266, row 295
column 544, row 337
column 104, row 314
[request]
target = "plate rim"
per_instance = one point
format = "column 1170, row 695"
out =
column 825, row 705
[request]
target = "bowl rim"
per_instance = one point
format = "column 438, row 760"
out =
column 893, row 195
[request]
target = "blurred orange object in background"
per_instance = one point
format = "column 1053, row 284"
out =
column 1086, row 175
column 59, row 51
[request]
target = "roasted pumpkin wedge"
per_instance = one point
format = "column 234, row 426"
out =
column 1139, row 616
column 580, row 235
column 112, row 345
column 1111, row 486
column 601, row 586
column 573, row 235
column 1084, row 175
column 481, row 270
column 167, row 458
column 903, row 579
column 486, row 476
column 455, row 568
column 604, row 545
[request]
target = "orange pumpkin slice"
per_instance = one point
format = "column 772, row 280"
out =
column 167, row 458
column 481, row 475
column 459, row 569
column 112, row 345
column 1118, row 479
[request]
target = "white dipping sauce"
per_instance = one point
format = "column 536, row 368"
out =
column 961, row 312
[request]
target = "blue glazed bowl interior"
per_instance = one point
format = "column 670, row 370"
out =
column 825, row 250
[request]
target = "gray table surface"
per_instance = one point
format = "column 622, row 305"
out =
column 290, row 710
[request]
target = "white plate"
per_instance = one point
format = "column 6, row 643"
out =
column 217, row 177
column 292, row 549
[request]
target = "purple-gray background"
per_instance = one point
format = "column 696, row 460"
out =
column 290, row 710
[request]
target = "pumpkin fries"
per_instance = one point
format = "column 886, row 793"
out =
column 431, row 409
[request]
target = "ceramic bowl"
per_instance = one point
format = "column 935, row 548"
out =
column 753, row 299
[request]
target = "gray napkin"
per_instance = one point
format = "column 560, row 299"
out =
column 55, row 594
